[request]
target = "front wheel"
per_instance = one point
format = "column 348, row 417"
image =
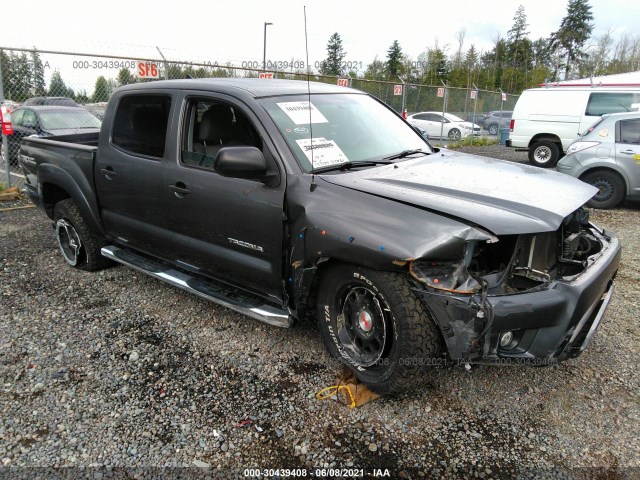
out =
column 493, row 129
column 79, row 244
column 454, row 134
column 544, row 154
column 611, row 189
column 374, row 324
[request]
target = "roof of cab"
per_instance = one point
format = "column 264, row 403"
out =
column 254, row 86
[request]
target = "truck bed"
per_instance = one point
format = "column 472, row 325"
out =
column 66, row 160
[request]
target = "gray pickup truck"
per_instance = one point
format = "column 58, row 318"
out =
column 286, row 201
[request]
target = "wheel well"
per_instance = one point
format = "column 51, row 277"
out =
column 323, row 265
column 546, row 137
column 52, row 194
column 608, row 170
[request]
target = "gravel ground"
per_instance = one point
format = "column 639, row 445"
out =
column 115, row 369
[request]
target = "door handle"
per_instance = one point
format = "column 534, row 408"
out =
column 180, row 189
column 628, row 152
column 109, row 173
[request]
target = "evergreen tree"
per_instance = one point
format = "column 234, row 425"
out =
column 57, row 87
column 125, row 77
column 22, row 78
column 82, row 97
column 332, row 65
column 517, row 36
column 575, row 29
column 393, row 65
column 39, row 88
column 5, row 60
column 101, row 90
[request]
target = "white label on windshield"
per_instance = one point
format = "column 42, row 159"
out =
column 298, row 112
column 325, row 152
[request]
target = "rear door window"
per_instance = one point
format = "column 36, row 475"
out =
column 140, row 125
column 628, row 131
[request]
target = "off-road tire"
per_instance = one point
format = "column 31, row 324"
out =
column 414, row 345
column 88, row 255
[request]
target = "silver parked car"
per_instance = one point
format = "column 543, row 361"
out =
column 607, row 156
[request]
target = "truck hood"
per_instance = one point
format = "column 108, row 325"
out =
column 502, row 197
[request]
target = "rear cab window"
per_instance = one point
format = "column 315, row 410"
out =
column 140, row 125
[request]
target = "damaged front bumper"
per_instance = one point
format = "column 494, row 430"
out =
column 545, row 325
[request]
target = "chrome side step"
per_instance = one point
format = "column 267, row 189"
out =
column 205, row 288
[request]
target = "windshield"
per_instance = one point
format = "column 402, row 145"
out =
column 61, row 119
column 346, row 128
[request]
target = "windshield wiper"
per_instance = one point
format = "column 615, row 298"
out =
column 349, row 165
column 405, row 153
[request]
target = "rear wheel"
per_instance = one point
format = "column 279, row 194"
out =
column 374, row 324
column 80, row 246
column 544, row 154
column 454, row 134
column 611, row 189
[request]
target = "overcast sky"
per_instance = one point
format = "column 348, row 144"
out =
column 233, row 31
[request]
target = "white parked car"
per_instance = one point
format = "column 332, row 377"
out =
column 547, row 120
column 452, row 127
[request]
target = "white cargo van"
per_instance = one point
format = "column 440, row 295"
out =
column 546, row 120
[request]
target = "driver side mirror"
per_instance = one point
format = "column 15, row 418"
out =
column 241, row 162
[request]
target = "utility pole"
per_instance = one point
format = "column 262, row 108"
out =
column 264, row 53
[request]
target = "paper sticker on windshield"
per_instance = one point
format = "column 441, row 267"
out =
column 325, row 152
column 298, row 112
column 604, row 132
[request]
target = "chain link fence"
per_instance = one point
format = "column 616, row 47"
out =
column 42, row 78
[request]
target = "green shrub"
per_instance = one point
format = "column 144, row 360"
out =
column 471, row 142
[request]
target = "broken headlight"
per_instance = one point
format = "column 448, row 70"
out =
column 448, row 275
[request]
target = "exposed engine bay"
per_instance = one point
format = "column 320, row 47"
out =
column 517, row 263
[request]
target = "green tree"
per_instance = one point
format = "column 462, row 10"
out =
column 375, row 70
column 494, row 63
column 82, row 97
column 39, row 88
column 125, row 77
column 101, row 90
column 175, row 71
column 575, row 29
column 57, row 87
column 517, row 35
column 6, row 64
column 21, row 77
column 333, row 65
column 393, row 66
